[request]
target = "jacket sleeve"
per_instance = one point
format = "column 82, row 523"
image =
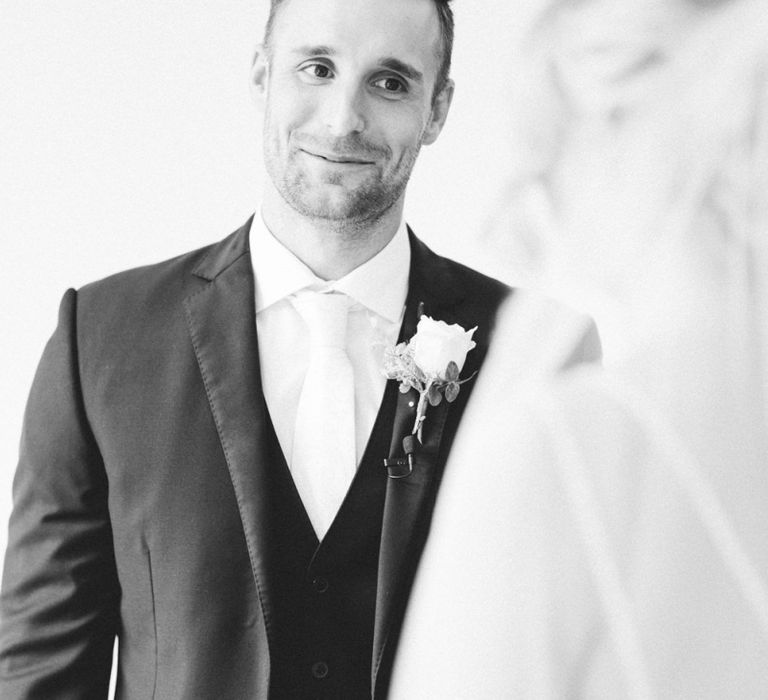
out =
column 60, row 596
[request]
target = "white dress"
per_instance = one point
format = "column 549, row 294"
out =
column 604, row 533
column 583, row 546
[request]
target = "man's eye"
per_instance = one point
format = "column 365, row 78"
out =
column 390, row 84
column 317, row 70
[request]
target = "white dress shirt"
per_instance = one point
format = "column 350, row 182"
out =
column 378, row 289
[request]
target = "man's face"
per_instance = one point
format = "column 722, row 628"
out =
column 348, row 102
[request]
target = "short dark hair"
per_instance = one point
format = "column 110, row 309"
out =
column 444, row 15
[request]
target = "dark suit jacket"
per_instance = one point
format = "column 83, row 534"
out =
column 137, row 503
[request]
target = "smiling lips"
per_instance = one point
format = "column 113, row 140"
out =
column 338, row 159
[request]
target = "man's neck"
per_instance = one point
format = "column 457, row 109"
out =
column 331, row 249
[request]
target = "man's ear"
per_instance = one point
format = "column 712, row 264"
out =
column 440, row 107
column 259, row 75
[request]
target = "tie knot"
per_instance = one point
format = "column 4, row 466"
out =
column 326, row 317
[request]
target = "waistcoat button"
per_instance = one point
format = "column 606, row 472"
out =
column 320, row 584
column 320, row 670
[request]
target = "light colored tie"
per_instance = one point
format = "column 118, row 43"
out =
column 323, row 460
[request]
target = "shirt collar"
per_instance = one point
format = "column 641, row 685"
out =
column 380, row 284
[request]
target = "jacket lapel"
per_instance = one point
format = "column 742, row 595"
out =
column 434, row 288
column 222, row 326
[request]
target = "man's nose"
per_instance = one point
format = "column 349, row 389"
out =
column 344, row 110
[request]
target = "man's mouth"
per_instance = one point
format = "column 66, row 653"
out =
column 342, row 159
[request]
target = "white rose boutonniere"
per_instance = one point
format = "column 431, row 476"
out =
column 430, row 363
column 436, row 345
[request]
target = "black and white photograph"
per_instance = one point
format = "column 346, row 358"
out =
column 406, row 349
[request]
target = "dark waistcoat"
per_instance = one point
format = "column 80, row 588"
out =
column 321, row 636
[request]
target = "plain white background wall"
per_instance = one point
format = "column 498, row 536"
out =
column 127, row 136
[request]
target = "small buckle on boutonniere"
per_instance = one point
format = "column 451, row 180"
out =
column 401, row 467
column 430, row 362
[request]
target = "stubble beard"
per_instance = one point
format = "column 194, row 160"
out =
column 330, row 202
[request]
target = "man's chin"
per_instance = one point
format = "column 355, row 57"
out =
column 338, row 205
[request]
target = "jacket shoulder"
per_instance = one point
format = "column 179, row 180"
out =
column 488, row 288
column 451, row 278
column 154, row 287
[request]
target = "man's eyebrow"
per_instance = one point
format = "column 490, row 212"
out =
column 314, row 51
column 405, row 69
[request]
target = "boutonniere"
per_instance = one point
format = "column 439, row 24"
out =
column 430, row 362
